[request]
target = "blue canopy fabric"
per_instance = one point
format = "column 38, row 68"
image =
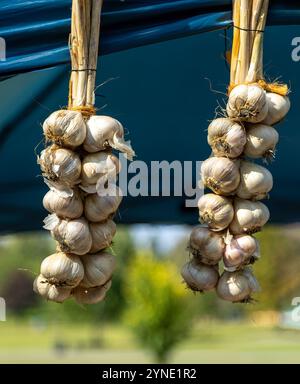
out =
column 36, row 32
column 160, row 93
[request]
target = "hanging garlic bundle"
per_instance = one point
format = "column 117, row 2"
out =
column 79, row 167
column 233, row 212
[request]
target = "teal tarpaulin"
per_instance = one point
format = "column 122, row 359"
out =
column 161, row 94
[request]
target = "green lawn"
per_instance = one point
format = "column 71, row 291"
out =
column 210, row 342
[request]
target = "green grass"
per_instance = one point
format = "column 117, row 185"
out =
column 209, row 342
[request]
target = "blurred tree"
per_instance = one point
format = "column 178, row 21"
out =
column 278, row 266
column 18, row 292
column 159, row 311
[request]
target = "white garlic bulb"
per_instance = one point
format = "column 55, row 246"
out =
column 91, row 295
column 60, row 165
column 278, row 108
column 73, row 236
column 238, row 286
column 98, row 269
column 51, row 291
column 206, row 246
column 104, row 131
column 62, row 270
column 97, row 169
column 65, row 128
column 221, row 175
column 256, row 181
column 69, row 207
column 247, row 103
column 249, row 217
column 102, row 235
column 100, row 208
column 215, row 211
column 226, row 137
column 200, row 277
column 240, row 251
column 261, row 141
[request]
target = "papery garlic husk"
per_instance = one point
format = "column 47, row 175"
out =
column 226, row 137
column 221, row 175
column 215, row 211
column 73, row 236
column 238, row 286
column 206, row 246
column 104, row 131
column 200, row 277
column 278, row 108
column 102, row 235
column 100, row 208
column 247, row 103
column 98, row 168
column 261, row 141
column 60, row 165
column 98, row 269
column 249, row 217
column 50, row 291
column 65, row 128
column 70, row 207
column 256, row 181
column 91, row 295
column 240, row 251
column 62, row 270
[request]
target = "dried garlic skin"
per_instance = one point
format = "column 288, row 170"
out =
column 278, row 108
column 103, row 132
column 221, row 175
column 247, row 102
column 102, row 235
column 261, row 141
column 98, row 269
column 200, row 277
column 226, row 137
column 65, row 128
column 68, row 207
column 215, row 211
column 91, row 295
column 206, row 246
column 61, row 269
column 50, row 291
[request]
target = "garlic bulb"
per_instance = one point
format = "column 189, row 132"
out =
column 237, row 287
column 249, row 217
column 62, row 270
column 66, row 128
column 102, row 235
column 261, row 141
column 99, row 208
column 278, row 108
column 206, row 246
column 60, row 165
column 226, row 137
column 221, row 175
column 104, row 131
column 73, row 236
column 256, row 181
column 199, row 277
column 51, row 291
column 240, row 251
column 247, row 103
column 70, row 207
column 98, row 168
column 98, row 269
column 91, row 295
column 215, row 211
